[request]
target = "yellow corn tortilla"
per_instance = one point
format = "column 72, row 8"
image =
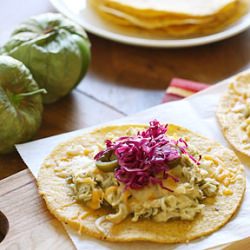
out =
column 53, row 187
column 170, row 23
column 181, row 30
column 230, row 121
column 195, row 8
column 151, row 23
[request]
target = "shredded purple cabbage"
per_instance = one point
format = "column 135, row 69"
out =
column 147, row 157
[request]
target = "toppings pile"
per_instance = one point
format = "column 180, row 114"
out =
column 144, row 159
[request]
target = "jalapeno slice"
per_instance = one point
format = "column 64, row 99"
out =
column 107, row 166
column 107, row 163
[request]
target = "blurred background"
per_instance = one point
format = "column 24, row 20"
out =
column 121, row 74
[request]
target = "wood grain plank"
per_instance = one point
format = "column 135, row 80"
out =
column 75, row 111
column 133, row 78
column 31, row 226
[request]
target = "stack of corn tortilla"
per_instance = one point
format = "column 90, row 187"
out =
column 173, row 17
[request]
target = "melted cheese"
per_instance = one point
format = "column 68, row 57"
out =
column 95, row 202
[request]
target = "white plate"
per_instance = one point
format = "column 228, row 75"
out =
column 84, row 15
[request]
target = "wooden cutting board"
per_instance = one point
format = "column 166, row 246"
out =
column 31, row 226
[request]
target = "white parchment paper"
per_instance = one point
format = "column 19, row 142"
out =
column 196, row 113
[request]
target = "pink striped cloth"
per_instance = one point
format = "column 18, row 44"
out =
column 181, row 88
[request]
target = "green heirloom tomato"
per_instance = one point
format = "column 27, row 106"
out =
column 20, row 104
column 55, row 49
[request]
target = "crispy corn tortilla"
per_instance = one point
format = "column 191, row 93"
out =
column 150, row 23
column 184, row 30
column 195, row 8
column 57, row 194
column 171, row 23
column 181, row 30
column 232, row 122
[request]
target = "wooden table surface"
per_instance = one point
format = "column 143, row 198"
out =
column 122, row 79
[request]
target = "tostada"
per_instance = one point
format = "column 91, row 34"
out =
column 158, row 183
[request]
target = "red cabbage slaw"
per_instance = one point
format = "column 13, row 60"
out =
column 147, row 157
